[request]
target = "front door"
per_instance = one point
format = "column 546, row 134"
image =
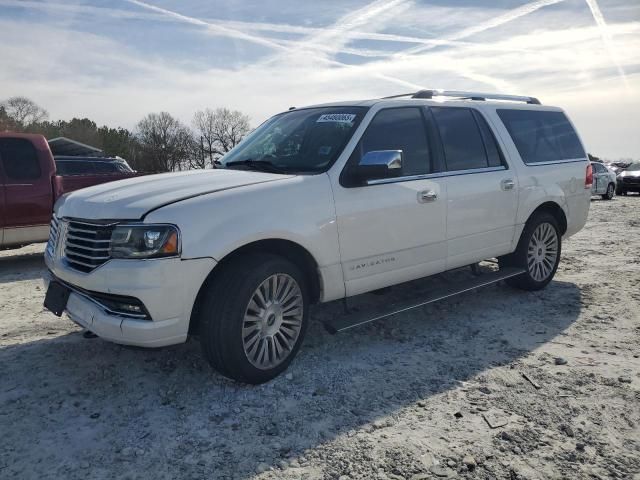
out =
column 392, row 229
column 482, row 197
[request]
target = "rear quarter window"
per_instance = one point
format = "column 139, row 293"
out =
column 542, row 136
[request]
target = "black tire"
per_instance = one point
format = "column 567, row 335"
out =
column 609, row 194
column 618, row 190
column 623, row 192
column 221, row 315
column 519, row 258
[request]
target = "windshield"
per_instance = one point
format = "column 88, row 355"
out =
column 298, row 141
column 633, row 167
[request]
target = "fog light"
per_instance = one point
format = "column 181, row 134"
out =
column 127, row 307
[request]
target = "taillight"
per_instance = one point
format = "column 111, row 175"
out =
column 588, row 178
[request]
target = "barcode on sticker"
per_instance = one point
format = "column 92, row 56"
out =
column 337, row 117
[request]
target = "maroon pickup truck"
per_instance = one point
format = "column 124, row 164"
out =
column 29, row 186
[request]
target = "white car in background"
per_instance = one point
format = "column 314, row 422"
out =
column 319, row 204
column 604, row 181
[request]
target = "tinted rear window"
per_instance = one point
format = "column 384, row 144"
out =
column 542, row 136
column 19, row 159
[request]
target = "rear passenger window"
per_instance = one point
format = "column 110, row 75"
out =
column 542, row 136
column 466, row 138
column 19, row 159
column 398, row 129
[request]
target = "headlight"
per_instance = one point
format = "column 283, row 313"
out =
column 145, row 241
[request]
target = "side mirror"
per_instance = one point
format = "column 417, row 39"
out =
column 377, row 164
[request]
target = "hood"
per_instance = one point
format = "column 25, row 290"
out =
column 133, row 198
column 629, row 173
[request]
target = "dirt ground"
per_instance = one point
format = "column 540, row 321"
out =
column 492, row 384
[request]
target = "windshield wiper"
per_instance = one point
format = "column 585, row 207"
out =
column 259, row 165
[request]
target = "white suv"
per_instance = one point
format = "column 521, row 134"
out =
column 318, row 204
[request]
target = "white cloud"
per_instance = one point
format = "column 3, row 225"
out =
column 529, row 50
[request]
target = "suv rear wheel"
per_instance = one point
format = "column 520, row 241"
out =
column 253, row 317
column 538, row 253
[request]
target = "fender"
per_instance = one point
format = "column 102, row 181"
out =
column 216, row 225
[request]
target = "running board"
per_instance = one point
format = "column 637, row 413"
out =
column 356, row 319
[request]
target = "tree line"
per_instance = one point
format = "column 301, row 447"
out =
column 159, row 142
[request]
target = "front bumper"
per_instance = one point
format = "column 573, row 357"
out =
column 167, row 288
column 629, row 184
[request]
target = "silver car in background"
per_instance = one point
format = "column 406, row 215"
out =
column 604, row 181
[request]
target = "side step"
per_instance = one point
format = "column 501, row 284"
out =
column 351, row 320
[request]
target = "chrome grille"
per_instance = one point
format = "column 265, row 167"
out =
column 87, row 245
column 53, row 237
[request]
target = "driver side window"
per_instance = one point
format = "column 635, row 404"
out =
column 398, row 129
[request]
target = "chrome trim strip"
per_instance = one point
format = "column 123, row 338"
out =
column 436, row 175
column 75, row 245
column 84, row 256
column 84, row 239
column 75, row 229
column 70, row 220
column 88, row 265
column 553, row 162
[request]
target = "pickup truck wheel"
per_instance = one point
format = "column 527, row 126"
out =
column 538, row 253
column 253, row 317
column 609, row 193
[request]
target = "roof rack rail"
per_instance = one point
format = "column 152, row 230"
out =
column 468, row 95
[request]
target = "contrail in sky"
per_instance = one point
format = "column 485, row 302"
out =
column 507, row 17
column 607, row 39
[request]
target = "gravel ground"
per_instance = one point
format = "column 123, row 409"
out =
column 492, row 384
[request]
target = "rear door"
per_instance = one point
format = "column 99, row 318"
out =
column 482, row 194
column 600, row 179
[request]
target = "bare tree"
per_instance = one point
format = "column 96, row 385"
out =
column 23, row 111
column 166, row 143
column 219, row 130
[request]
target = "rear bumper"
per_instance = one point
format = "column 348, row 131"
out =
column 167, row 288
column 577, row 212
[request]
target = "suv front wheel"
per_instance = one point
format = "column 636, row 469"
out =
column 253, row 317
column 538, row 253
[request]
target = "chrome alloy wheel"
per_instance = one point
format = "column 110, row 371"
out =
column 272, row 321
column 542, row 252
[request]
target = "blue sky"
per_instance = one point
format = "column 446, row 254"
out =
column 115, row 61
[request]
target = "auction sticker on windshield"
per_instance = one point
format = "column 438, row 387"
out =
column 337, row 117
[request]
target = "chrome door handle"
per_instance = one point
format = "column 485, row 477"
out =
column 507, row 184
column 427, row 196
